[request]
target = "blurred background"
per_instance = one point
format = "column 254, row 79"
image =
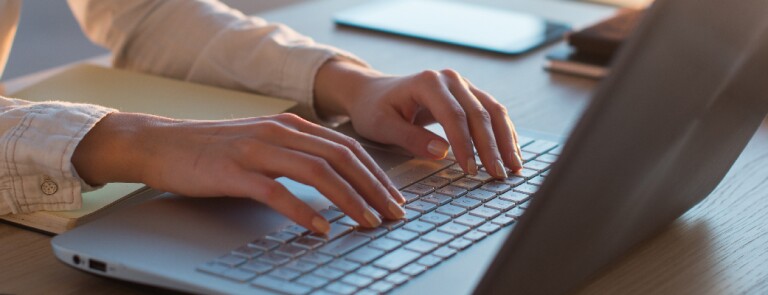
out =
column 48, row 35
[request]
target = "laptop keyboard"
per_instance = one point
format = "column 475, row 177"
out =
column 446, row 213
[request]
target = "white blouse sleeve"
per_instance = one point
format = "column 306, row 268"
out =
column 205, row 41
column 37, row 141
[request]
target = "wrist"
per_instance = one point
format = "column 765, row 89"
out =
column 115, row 149
column 338, row 85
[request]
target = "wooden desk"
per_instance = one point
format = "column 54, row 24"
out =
column 718, row 247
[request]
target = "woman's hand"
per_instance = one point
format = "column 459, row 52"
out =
column 240, row 158
column 394, row 109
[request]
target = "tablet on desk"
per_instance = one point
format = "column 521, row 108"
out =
column 468, row 25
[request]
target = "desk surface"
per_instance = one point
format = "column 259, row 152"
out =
column 718, row 247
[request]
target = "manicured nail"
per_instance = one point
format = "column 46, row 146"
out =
column 321, row 225
column 372, row 219
column 471, row 167
column 518, row 161
column 500, row 171
column 438, row 148
column 395, row 210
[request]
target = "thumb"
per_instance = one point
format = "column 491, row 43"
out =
column 414, row 138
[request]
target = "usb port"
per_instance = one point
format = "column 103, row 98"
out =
column 97, row 265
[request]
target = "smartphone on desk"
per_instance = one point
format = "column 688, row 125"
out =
column 462, row 24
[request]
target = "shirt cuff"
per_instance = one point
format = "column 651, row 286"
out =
column 37, row 171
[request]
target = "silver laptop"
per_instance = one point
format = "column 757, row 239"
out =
column 684, row 97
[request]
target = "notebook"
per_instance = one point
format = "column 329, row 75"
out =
column 134, row 92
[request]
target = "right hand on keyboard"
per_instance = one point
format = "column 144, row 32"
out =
column 241, row 158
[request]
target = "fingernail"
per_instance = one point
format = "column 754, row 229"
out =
column 438, row 148
column 372, row 219
column 321, row 225
column 395, row 210
column 518, row 161
column 471, row 167
column 500, row 171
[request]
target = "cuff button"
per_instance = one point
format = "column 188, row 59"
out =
column 49, row 187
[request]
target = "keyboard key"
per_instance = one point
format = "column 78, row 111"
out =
column 372, row 272
column 513, row 180
column 460, row 244
column 420, row 189
column 381, row 287
column 489, row 227
column 421, row 206
column 419, row 227
column 538, row 180
column 435, row 218
column 385, row 244
column 257, row 267
column 282, row 236
column 248, row 252
column 429, row 260
column 475, row 235
column 437, row 199
column 451, row 210
column 503, row 220
column 537, row 165
column 301, row 266
column 437, row 237
column 524, row 205
column 308, row 242
column 373, row 232
column 331, row 215
column 421, row 246
column 357, row 280
column 365, row 255
column 213, row 267
column 312, row 281
column 485, row 212
column 453, row 228
column 237, row 274
column 469, row 220
column 500, row 204
column 547, row 158
column 452, row 191
column 397, row 259
column 337, row 230
column 450, row 174
column 409, row 197
column 264, row 244
column 290, row 250
column 481, row 176
column 344, row 265
column 402, row 235
column 435, row 181
column 411, row 214
column 524, row 140
column 231, row 260
column 317, row 258
column 285, row 273
column 528, row 173
column 280, row 286
column 539, row 146
column 556, row 151
column 496, row 187
column 466, row 202
column 516, row 212
column 397, row 278
column 296, row 229
column 274, row 258
column 527, row 188
column 392, row 224
column 344, row 245
column 413, row 269
column 516, row 197
column 528, row 156
column 481, row 195
column 341, row 288
column 444, row 252
column 348, row 221
column 467, row 183
column 328, row 273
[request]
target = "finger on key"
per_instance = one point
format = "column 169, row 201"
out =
column 506, row 137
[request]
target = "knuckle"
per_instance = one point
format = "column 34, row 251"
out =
column 271, row 127
column 244, row 145
column 450, row 73
column 341, row 153
column 458, row 113
column 288, row 118
column 270, row 191
column 498, row 108
column 318, row 166
column 482, row 114
column 429, row 76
